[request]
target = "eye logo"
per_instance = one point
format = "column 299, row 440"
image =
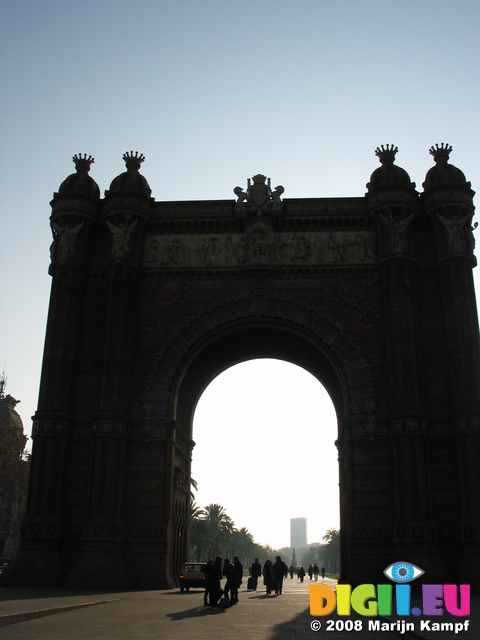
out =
column 403, row 572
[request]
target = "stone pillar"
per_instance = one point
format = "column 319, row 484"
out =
column 449, row 209
column 104, row 529
column 74, row 213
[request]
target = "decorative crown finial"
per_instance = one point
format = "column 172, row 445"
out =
column 132, row 161
column 441, row 152
column 386, row 153
column 83, row 163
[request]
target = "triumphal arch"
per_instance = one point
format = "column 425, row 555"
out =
column 151, row 300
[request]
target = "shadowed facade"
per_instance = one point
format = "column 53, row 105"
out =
column 151, row 300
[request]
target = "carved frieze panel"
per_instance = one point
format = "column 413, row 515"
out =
column 181, row 482
column 418, row 426
column 144, row 430
column 259, row 245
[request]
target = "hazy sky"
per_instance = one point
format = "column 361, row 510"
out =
column 213, row 92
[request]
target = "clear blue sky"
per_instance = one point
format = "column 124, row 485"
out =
column 212, row 92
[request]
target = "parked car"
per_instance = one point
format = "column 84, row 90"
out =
column 192, row 576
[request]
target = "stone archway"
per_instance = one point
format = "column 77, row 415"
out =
column 255, row 326
column 150, row 300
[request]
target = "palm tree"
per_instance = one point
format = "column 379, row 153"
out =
column 198, row 532
column 213, row 532
column 332, row 549
column 219, row 527
column 193, row 487
column 332, row 536
column 242, row 544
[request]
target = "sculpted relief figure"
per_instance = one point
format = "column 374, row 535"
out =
column 397, row 230
column 455, row 232
column 345, row 247
column 208, row 251
column 257, row 245
column 333, row 249
column 229, row 251
column 281, row 247
column 176, row 252
column 277, row 204
column 301, row 250
column 121, row 237
column 66, row 238
column 242, row 199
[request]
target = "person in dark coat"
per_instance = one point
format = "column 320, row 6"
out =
column 280, row 569
column 207, row 571
column 236, row 579
column 215, row 577
column 229, row 573
column 323, row 572
column 301, row 574
column 268, row 576
column 255, row 572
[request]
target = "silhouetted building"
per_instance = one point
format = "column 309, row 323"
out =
column 298, row 533
column 151, row 300
column 13, row 475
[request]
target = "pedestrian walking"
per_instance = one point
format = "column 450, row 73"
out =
column 215, row 577
column 280, row 569
column 268, row 576
column 237, row 579
column 255, row 573
column 229, row 573
column 207, row 571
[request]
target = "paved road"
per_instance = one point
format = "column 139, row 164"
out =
column 171, row 615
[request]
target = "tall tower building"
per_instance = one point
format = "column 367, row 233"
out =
column 298, row 533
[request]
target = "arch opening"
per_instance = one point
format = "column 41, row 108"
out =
column 265, row 433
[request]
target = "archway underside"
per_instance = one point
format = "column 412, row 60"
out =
column 249, row 341
column 255, row 327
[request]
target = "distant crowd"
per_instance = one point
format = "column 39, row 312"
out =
column 273, row 574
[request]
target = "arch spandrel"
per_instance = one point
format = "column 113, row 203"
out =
column 257, row 326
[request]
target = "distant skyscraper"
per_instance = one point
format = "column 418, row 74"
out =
column 298, row 533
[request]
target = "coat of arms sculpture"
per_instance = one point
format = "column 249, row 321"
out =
column 259, row 197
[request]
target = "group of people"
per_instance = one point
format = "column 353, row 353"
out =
column 214, row 571
column 312, row 572
column 273, row 574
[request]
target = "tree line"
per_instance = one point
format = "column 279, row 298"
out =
column 213, row 532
